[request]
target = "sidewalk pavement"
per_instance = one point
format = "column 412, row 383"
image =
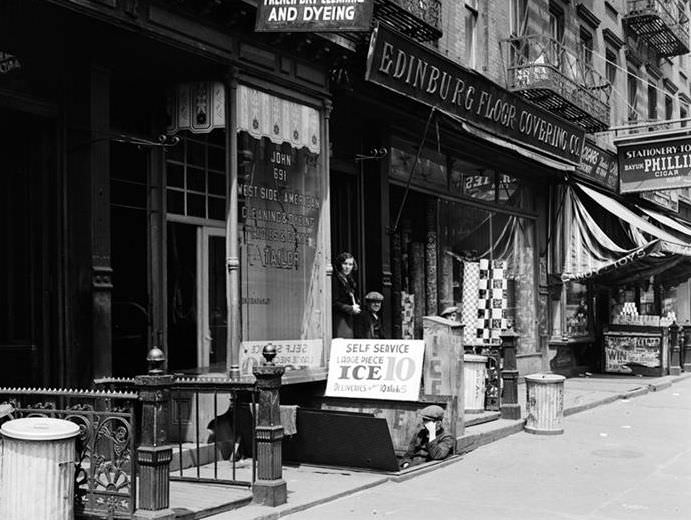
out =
column 309, row 486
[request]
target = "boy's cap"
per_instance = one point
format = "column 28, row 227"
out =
column 449, row 310
column 374, row 296
column 432, row 412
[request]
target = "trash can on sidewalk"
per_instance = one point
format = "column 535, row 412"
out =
column 544, row 404
column 474, row 375
column 38, row 456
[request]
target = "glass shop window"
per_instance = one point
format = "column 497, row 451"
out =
column 491, row 274
column 281, row 194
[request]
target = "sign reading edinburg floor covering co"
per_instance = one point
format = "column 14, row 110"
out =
column 408, row 68
column 655, row 165
column 375, row 369
column 314, row 15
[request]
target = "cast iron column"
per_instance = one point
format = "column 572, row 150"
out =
column 675, row 359
column 154, row 453
column 685, row 349
column 269, row 489
column 510, row 408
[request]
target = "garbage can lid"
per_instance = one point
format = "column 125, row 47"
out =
column 545, row 378
column 474, row 358
column 39, row 429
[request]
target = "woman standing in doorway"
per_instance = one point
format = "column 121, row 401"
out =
column 345, row 300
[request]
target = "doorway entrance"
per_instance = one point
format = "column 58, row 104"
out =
column 197, row 312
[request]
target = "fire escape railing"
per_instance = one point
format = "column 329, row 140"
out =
column 662, row 23
column 552, row 76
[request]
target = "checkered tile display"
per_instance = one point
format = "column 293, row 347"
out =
column 491, row 302
column 407, row 315
column 471, row 275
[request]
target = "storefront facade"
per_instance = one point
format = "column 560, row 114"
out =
column 454, row 199
column 167, row 170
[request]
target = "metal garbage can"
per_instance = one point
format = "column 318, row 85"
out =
column 38, row 456
column 474, row 375
column 544, row 404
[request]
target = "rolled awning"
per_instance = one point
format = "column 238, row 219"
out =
column 667, row 221
column 645, row 250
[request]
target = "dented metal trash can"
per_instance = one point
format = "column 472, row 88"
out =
column 37, row 474
column 544, row 404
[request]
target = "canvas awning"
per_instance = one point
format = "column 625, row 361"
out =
column 667, row 221
column 643, row 249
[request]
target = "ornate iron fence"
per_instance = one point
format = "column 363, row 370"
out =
column 105, row 470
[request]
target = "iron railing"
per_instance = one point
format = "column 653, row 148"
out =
column 662, row 23
column 105, row 471
column 552, row 76
column 419, row 19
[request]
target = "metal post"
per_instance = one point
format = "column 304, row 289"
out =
column 269, row 489
column 685, row 348
column 154, row 453
column 675, row 358
column 510, row 408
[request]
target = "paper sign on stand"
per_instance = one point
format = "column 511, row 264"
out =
column 375, row 369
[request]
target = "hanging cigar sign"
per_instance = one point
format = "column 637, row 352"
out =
column 662, row 164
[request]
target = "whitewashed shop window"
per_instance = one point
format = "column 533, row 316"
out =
column 281, row 195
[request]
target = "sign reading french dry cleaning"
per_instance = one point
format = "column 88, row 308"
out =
column 657, row 165
column 314, row 15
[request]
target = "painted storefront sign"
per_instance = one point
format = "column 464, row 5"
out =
column 375, row 369
column 408, row 68
column 632, row 353
column 279, row 201
column 290, row 354
column 599, row 165
column 314, row 15
column 655, row 165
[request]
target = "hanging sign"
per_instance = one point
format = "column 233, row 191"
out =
column 599, row 165
column 655, row 165
column 314, row 15
column 408, row 68
column 375, row 369
column 8, row 63
column 668, row 199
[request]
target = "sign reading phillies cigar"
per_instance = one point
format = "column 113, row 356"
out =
column 401, row 65
column 314, row 15
column 655, row 165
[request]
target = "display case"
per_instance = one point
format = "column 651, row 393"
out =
column 636, row 349
column 572, row 313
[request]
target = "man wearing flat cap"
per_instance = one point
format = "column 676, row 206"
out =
column 432, row 442
column 368, row 324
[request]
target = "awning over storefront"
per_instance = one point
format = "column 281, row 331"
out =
column 643, row 249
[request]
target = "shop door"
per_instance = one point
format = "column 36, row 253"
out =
column 211, row 299
column 347, row 233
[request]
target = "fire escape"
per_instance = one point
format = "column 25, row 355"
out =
column 662, row 24
column 418, row 19
column 553, row 77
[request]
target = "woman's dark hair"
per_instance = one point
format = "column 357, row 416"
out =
column 345, row 255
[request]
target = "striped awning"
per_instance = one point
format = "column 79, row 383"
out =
column 591, row 254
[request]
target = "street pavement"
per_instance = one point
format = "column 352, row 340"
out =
column 630, row 459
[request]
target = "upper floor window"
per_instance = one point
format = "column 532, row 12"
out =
column 632, row 93
column 518, row 17
column 669, row 107
column 556, row 33
column 586, row 46
column 652, row 101
column 471, row 33
column 683, row 113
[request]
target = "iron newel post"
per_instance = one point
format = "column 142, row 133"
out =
column 269, row 488
column 510, row 408
column 154, row 454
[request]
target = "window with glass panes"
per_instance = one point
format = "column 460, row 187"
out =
column 195, row 176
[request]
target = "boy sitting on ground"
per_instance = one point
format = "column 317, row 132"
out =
column 432, row 442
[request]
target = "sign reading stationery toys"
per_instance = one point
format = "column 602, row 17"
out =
column 314, row 15
column 375, row 369
column 655, row 165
